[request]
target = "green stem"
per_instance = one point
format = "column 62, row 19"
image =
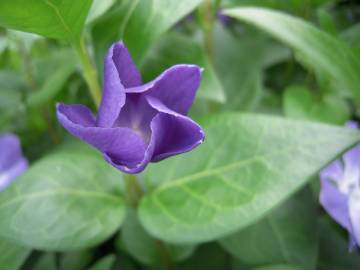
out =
column 89, row 70
column 208, row 15
column 165, row 254
column 134, row 191
column 208, row 23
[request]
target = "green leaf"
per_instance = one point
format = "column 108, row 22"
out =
column 68, row 200
column 352, row 35
column 297, row 6
column 287, row 235
column 50, row 18
column 134, row 20
column 12, row 107
column 105, row 263
column 300, row 103
column 98, row 8
column 327, row 22
column 54, row 80
column 209, row 256
column 334, row 249
column 46, row 262
column 76, row 260
column 12, row 256
column 150, row 19
column 317, row 48
column 110, row 28
column 164, row 56
column 145, row 249
column 243, row 82
column 278, row 267
column 248, row 165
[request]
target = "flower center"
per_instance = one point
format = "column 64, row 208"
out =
column 350, row 181
column 137, row 115
column 135, row 126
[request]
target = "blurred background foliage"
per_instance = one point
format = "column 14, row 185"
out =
column 246, row 70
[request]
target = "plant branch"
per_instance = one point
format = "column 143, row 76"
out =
column 134, row 191
column 208, row 24
column 89, row 70
column 165, row 254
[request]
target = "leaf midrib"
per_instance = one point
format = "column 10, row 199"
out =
column 188, row 178
column 59, row 16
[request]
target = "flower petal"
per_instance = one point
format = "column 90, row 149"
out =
column 6, row 177
column 120, row 145
column 352, row 162
column 335, row 203
column 10, row 151
column 128, row 73
column 333, row 172
column 354, row 209
column 176, row 87
column 173, row 133
column 113, row 98
column 12, row 162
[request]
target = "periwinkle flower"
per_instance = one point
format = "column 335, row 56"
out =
column 224, row 19
column 340, row 191
column 12, row 161
column 138, row 123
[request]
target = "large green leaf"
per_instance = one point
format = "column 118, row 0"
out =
column 352, row 35
column 51, row 18
column 12, row 256
column 152, row 18
column 110, row 28
column 287, row 235
column 174, row 49
column 55, row 71
column 324, row 53
column 247, row 165
column 98, row 8
column 68, row 200
column 246, row 56
column 300, row 103
column 289, row 5
column 134, row 20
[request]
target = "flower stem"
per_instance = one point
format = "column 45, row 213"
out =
column 134, row 191
column 165, row 254
column 89, row 70
column 208, row 23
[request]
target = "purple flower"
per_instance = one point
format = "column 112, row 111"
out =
column 12, row 162
column 340, row 191
column 224, row 19
column 138, row 123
